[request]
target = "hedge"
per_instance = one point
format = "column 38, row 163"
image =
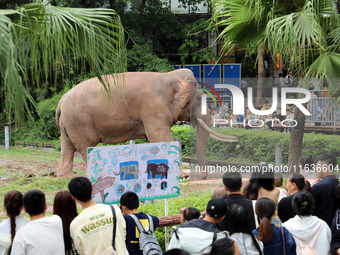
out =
column 259, row 145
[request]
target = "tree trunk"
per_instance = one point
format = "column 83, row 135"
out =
column 260, row 75
column 296, row 139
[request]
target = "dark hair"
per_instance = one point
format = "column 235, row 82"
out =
column 265, row 209
column 130, row 200
column 191, row 213
column 303, row 203
column 34, row 202
column 238, row 223
column 223, row 246
column 233, row 181
column 306, row 161
column 329, row 159
column 66, row 208
column 252, row 188
column 266, row 180
column 176, row 252
column 301, row 183
column 80, row 188
column 13, row 205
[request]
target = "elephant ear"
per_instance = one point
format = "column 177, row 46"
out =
column 184, row 92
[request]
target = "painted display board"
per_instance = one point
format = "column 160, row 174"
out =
column 151, row 170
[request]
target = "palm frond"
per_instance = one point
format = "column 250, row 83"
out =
column 293, row 33
column 44, row 36
column 16, row 96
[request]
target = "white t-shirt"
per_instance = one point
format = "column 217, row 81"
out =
column 5, row 232
column 40, row 237
column 92, row 230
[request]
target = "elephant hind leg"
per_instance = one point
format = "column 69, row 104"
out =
column 67, row 154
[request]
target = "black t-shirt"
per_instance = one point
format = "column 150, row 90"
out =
column 132, row 233
column 245, row 203
column 285, row 208
column 325, row 200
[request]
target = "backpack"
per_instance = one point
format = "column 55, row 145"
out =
column 148, row 242
column 308, row 249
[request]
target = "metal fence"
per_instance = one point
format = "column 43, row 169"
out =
column 325, row 111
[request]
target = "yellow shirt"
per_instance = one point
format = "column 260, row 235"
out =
column 92, row 230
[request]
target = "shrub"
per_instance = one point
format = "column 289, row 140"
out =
column 259, row 145
column 46, row 110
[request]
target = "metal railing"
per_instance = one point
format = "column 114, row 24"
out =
column 325, row 111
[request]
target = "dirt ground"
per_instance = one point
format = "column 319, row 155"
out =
column 36, row 168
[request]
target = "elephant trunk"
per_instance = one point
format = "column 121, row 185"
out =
column 201, row 143
column 121, row 170
column 203, row 133
column 215, row 135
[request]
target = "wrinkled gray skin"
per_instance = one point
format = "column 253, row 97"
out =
column 129, row 170
column 144, row 104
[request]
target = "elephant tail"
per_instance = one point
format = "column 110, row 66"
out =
column 58, row 112
column 57, row 115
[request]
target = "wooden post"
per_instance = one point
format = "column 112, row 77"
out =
column 6, row 137
column 180, row 149
column 278, row 154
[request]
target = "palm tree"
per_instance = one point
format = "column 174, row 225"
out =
column 306, row 33
column 36, row 39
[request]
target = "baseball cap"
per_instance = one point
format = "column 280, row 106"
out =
column 217, row 208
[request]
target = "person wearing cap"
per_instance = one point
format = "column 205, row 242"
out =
column 196, row 236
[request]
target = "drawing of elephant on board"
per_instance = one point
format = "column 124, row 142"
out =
column 143, row 104
column 131, row 170
column 157, row 169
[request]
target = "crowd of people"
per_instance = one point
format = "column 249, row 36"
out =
column 261, row 218
column 223, row 117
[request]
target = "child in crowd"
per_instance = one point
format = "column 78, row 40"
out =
column 278, row 182
column 8, row 227
column 224, row 246
column 129, row 203
column 190, row 213
column 271, row 235
column 240, row 232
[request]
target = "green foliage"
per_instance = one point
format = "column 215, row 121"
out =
column 46, row 110
column 183, row 133
column 259, row 145
column 191, row 49
column 140, row 59
column 86, row 38
column 197, row 200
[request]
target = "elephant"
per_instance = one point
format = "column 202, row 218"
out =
column 129, row 170
column 140, row 104
column 157, row 169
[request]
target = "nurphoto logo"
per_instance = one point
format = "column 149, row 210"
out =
column 238, row 105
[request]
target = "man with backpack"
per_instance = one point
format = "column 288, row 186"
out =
column 197, row 236
column 140, row 236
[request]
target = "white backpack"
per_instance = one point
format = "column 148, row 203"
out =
column 308, row 249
